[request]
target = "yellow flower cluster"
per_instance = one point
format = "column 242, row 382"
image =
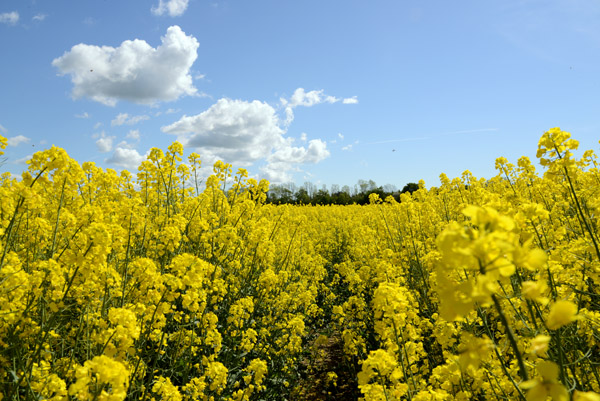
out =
column 115, row 287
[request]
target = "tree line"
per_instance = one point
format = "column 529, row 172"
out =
column 309, row 193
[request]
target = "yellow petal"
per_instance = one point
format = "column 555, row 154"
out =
column 561, row 314
column 548, row 370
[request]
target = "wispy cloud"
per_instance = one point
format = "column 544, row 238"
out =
column 23, row 160
column 133, row 134
column 9, row 18
column 17, row 140
column 39, row 17
column 308, row 99
column 124, row 118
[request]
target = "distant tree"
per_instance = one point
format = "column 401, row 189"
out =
column 341, row 198
column 310, row 188
column 279, row 194
column 321, row 198
column 410, row 187
column 302, row 196
column 308, row 193
column 286, row 196
column 390, row 188
column 363, row 186
column 366, row 186
column 291, row 186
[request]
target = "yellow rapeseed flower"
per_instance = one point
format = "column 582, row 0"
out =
column 561, row 313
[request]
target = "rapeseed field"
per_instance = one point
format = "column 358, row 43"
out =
column 155, row 286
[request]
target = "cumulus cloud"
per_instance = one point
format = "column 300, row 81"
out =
column 124, row 118
column 350, row 100
column 287, row 158
column 316, row 151
column 134, row 71
column 105, row 143
column 129, row 159
column 17, row 140
column 242, row 133
column 174, row 8
column 233, row 129
column 9, row 18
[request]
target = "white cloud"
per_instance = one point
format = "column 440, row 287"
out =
column 17, row 140
column 127, row 158
column 236, row 130
column 23, row 160
column 242, row 133
column 125, row 145
column 174, row 8
column 133, row 134
column 39, row 17
column 308, row 99
column 105, row 143
column 134, row 71
column 97, row 125
column 350, row 100
column 9, row 18
column 287, row 158
column 347, row 147
column 123, row 118
column 303, row 137
column 82, row 115
column 340, row 136
column 316, row 151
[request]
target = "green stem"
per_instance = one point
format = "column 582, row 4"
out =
column 511, row 339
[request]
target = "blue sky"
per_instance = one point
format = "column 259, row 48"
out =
column 323, row 91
